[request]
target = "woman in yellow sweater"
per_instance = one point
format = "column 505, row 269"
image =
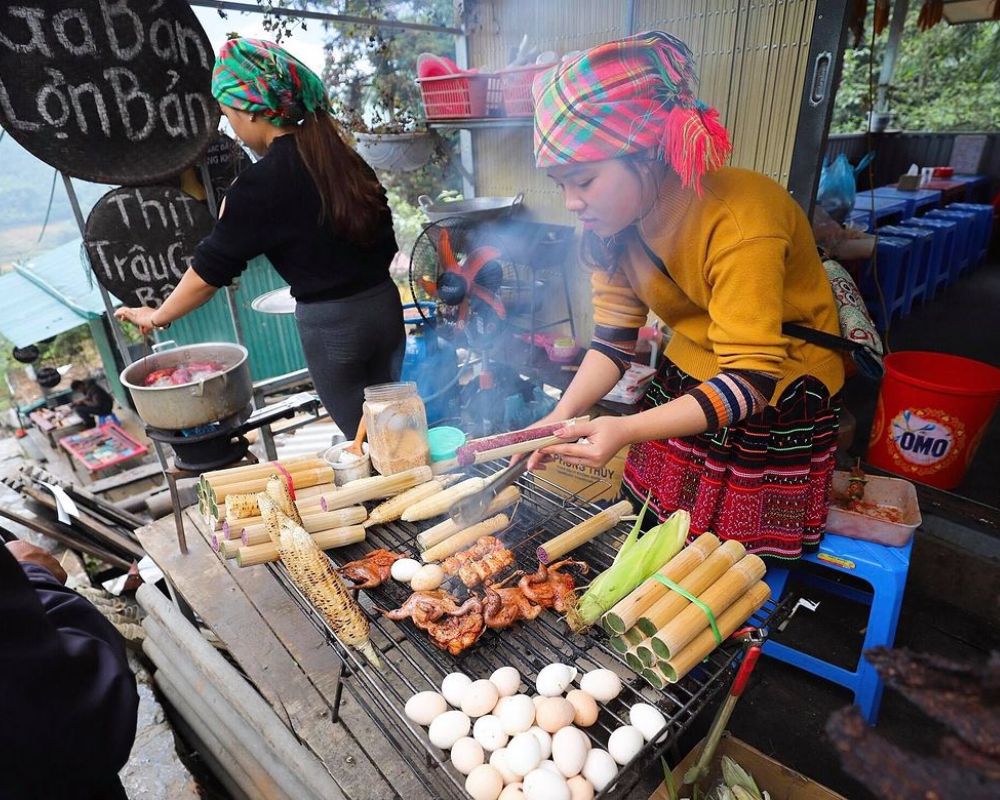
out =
column 740, row 425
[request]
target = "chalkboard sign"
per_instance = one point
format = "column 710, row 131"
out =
column 141, row 240
column 225, row 160
column 112, row 91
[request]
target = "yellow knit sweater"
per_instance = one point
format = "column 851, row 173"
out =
column 741, row 260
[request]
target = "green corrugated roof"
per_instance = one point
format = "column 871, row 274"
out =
column 48, row 294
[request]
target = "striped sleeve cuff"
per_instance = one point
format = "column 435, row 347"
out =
column 732, row 396
column 618, row 344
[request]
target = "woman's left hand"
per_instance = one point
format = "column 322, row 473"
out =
column 605, row 436
column 142, row 317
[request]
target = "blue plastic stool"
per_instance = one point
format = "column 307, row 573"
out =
column 884, row 569
column 951, row 260
column 923, row 271
column 984, row 223
column 104, row 419
column 894, row 257
column 966, row 221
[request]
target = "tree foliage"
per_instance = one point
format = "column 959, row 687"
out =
column 946, row 79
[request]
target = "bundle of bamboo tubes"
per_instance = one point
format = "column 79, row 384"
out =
column 661, row 633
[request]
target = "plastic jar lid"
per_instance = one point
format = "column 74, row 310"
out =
column 444, row 442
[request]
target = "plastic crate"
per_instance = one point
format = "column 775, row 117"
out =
column 515, row 84
column 461, row 96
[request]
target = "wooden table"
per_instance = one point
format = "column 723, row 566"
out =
column 56, row 423
column 102, row 448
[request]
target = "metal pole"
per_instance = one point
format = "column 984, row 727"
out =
column 630, row 17
column 466, row 157
column 109, row 308
column 899, row 10
column 230, row 291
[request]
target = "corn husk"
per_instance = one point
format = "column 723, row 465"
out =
column 278, row 491
column 448, row 528
column 393, row 508
column 736, row 777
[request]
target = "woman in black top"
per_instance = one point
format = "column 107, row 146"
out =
column 317, row 211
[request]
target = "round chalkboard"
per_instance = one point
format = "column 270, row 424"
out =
column 140, row 241
column 113, row 91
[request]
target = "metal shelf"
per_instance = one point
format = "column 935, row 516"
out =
column 411, row 663
column 481, row 123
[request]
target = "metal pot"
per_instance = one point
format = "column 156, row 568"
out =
column 480, row 208
column 189, row 405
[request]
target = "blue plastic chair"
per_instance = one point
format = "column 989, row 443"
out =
column 923, row 271
column 885, row 570
column 104, row 419
column 984, row 224
column 894, row 256
column 966, row 221
column 952, row 250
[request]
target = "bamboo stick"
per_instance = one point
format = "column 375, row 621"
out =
column 695, row 582
column 704, row 643
column 287, row 463
column 251, row 555
column 376, row 488
column 464, row 538
column 591, row 528
column 627, row 611
column 313, row 523
column 677, row 633
column 448, row 528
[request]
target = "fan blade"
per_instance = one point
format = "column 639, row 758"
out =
column 478, row 259
column 429, row 286
column 445, row 254
column 491, row 300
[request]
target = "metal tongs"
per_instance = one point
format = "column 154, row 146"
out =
column 470, row 510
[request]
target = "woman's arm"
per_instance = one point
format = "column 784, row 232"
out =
column 191, row 292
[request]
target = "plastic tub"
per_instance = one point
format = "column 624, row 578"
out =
column 351, row 470
column 444, row 442
column 892, row 492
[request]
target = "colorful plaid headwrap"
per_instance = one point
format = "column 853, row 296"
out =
column 259, row 76
column 628, row 96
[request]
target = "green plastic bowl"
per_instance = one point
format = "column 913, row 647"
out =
column 444, row 442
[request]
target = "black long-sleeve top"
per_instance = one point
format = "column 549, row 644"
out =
column 68, row 699
column 273, row 208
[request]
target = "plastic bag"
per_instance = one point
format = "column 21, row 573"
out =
column 837, row 188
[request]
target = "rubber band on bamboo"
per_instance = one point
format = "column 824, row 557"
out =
column 688, row 596
column 288, row 479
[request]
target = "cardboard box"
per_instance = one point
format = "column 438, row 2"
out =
column 776, row 779
column 590, row 484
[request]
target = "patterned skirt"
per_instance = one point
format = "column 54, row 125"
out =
column 764, row 481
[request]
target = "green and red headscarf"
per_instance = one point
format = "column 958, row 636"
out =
column 626, row 97
column 260, row 77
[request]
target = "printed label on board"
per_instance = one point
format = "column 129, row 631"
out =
column 926, row 438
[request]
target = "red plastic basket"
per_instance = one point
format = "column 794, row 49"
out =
column 461, row 96
column 515, row 84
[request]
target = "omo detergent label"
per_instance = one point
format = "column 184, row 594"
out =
column 925, row 439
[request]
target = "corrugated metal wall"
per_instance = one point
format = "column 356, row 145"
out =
column 272, row 339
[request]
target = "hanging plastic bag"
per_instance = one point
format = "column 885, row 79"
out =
column 837, row 188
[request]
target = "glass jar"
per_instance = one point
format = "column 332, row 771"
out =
column 397, row 427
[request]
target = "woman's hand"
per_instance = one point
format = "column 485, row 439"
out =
column 604, row 436
column 142, row 317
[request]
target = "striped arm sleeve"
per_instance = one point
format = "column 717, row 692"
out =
column 733, row 395
column 618, row 344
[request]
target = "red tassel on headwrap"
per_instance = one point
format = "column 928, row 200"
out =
column 694, row 142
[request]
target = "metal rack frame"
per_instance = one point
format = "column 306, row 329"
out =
column 412, row 664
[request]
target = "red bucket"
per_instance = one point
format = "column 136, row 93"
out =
column 933, row 410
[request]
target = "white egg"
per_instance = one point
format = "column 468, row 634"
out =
column 516, row 713
column 480, row 698
column 498, row 760
column 506, row 679
column 647, row 719
column 580, row 788
column 554, row 679
column 601, row 684
column 424, row 706
column 550, row 765
column 512, row 791
column 428, row 577
column 404, row 569
column 585, row 707
column 523, row 754
column 500, row 704
column 544, row 740
column 448, row 728
column 625, row 743
column 489, row 733
column 599, row 768
column 537, row 699
column 569, row 750
column 467, row 754
column 484, row 783
column 544, row 785
column 454, row 686
column 554, row 713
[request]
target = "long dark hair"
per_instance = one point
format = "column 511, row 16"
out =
column 353, row 200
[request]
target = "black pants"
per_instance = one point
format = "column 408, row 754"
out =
column 350, row 344
column 87, row 413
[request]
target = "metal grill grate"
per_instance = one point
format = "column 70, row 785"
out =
column 412, row 664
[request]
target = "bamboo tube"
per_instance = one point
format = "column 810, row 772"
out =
column 633, row 636
column 627, row 611
column 287, row 463
column 704, row 643
column 261, row 472
column 233, row 528
column 365, row 489
column 618, row 644
column 313, row 523
column 653, row 678
column 695, row 582
column 448, row 528
column 300, row 480
column 591, row 528
column 677, row 633
column 464, row 538
column 633, row 662
column 251, row 555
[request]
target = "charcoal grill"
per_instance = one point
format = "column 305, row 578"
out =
column 412, row 664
